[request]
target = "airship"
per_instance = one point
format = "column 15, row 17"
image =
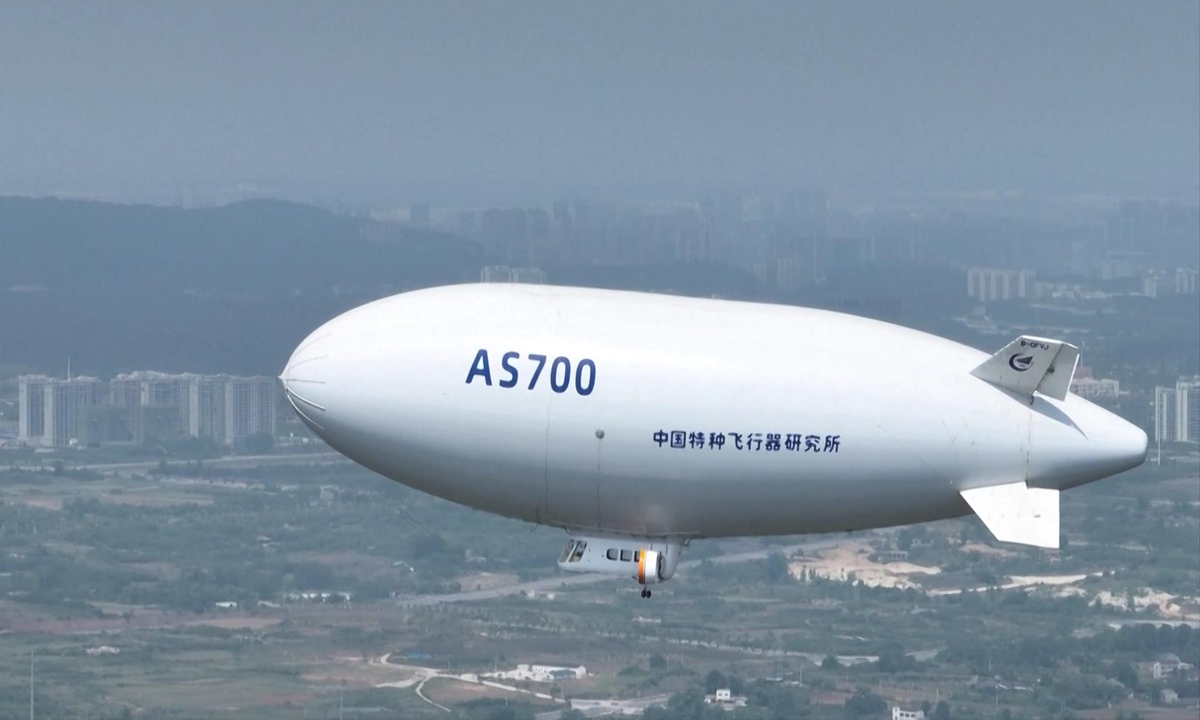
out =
column 639, row 422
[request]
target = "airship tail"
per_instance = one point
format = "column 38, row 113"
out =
column 1030, row 364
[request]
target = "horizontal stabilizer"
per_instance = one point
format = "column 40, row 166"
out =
column 1017, row 513
column 1030, row 364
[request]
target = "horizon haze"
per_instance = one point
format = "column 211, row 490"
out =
column 509, row 103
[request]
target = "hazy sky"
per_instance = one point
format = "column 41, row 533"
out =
column 522, row 102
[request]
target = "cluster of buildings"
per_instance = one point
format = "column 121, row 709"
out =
column 785, row 241
column 506, row 274
column 144, row 407
column 794, row 241
column 725, row 698
column 1177, row 411
column 1158, row 283
column 1086, row 386
column 992, row 284
column 540, row 673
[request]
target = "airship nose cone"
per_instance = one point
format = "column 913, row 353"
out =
column 305, row 378
column 1129, row 444
column 1115, row 444
column 1083, row 444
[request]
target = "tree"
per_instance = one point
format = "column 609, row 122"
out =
column 688, row 704
column 777, row 567
column 658, row 662
column 714, row 680
column 427, row 544
column 942, row 711
column 863, row 704
column 893, row 660
column 1127, row 676
column 830, row 663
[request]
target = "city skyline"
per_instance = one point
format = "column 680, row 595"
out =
column 144, row 406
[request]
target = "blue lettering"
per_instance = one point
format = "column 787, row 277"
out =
column 565, row 364
column 541, row 361
column 508, row 368
column 591, row 366
column 480, row 367
column 560, row 372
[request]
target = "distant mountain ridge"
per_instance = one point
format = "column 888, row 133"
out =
column 225, row 289
column 260, row 246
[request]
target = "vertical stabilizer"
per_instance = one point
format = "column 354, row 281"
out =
column 1030, row 364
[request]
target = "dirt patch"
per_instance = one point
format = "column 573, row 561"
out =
column 236, row 623
column 852, row 560
column 356, row 671
column 46, row 503
column 156, row 500
column 448, row 691
column 1162, row 603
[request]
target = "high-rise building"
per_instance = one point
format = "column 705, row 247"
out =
column 63, row 402
column 1187, row 282
column 206, row 407
column 147, row 388
column 31, row 408
column 1164, row 414
column 1096, row 389
column 103, row 424
column 125, row 391
column 145, row 407
column 249, row 407
column 506, row 274
column 1187, row 409
column 1154, row 283
column 990, row 284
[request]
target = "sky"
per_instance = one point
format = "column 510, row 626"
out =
column 523, row 102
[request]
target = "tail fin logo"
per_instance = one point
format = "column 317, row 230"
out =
column 1020, row 362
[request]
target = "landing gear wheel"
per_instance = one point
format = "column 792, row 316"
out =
column 646, row 593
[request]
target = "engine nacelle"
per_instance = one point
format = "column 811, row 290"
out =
column 649, row 569
column 648, row 560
